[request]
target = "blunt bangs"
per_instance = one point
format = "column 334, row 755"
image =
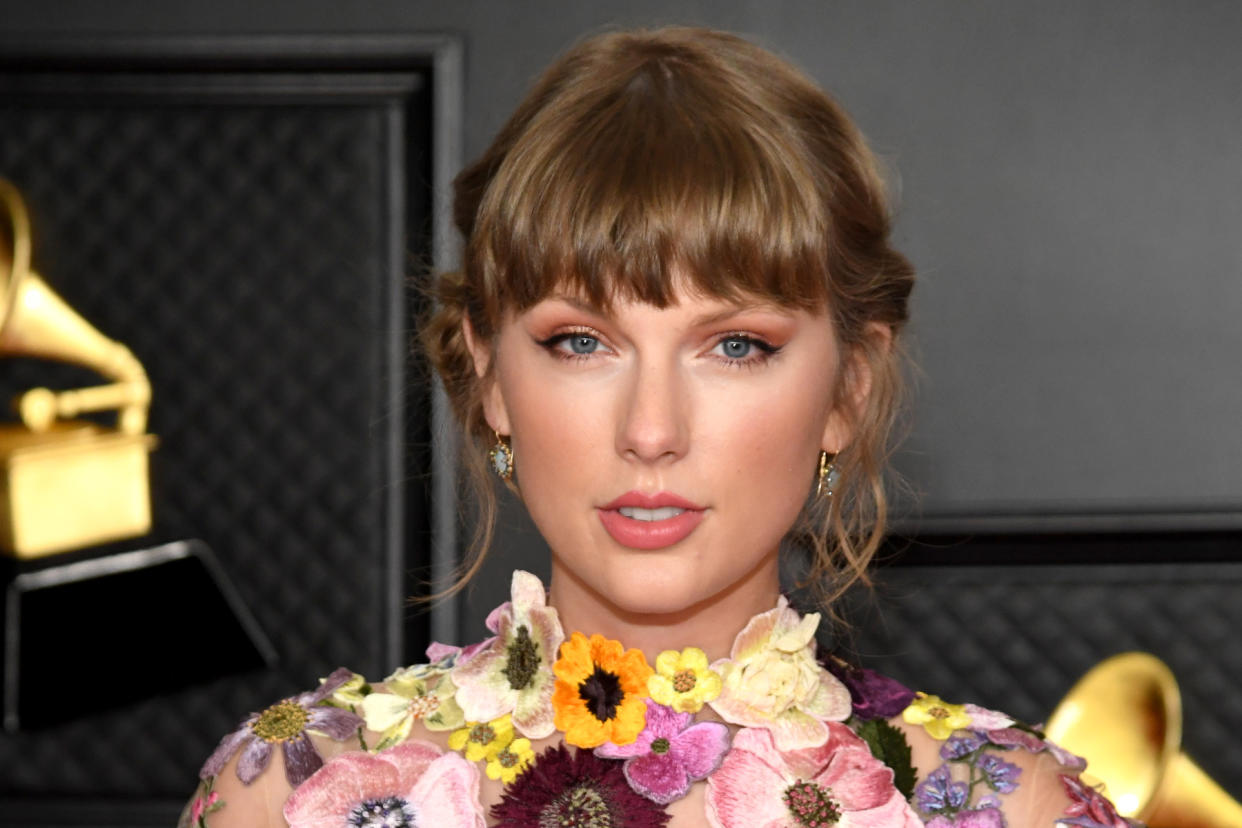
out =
column 668, row 180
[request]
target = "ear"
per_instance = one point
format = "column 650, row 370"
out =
column 494, row 410
column 854, row 388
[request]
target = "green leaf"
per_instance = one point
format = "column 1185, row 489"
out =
column 889, row 745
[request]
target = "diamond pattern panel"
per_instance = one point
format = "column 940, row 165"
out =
column 1017, row 638
column 240, row 251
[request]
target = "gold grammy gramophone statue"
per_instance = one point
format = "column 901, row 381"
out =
column 1125, row 717
column 66, row 482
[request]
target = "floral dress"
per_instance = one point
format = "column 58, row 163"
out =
column 782, row 738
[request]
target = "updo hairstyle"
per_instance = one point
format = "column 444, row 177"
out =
column 640, row 154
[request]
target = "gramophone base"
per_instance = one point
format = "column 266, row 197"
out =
column 74, row 486
column 117, row 630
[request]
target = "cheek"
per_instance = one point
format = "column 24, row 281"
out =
column 557, row 440
column 769, row 447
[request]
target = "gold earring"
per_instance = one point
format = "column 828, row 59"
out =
column 826, row 481
column 501, row 458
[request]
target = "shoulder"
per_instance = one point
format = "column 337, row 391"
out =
column 965, row 765
column 290, row 763
column 980, row 768
column 250, row 774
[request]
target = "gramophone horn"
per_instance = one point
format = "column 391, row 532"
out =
column 18, row 264
column 1125, row 717
column 35, row 321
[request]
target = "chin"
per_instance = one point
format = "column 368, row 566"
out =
column 638, row 599
column 659, row 584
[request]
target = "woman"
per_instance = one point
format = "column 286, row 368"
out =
column 675, row 335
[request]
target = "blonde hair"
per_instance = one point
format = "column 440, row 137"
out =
column 640, row 153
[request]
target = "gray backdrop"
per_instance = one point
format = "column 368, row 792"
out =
column 1070, row 178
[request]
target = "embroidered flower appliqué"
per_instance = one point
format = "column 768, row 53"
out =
column 575, row 789
column 407, row 699
column 938, row 717
column 670, row 753
column 510, row 760
column 874, row 696
column 482, row 740
column 1089, row 808
column 286, row 723
column 838, row 781
column 412, row 784
column 772, row 680
column 684, row 681
column 513, row 672
column 600, row 691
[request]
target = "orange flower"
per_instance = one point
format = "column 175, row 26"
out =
column 600, row 691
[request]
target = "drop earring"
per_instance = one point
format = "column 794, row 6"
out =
column 501, row 458
column 826, row 480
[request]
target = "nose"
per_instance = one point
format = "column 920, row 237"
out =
column 654, row 423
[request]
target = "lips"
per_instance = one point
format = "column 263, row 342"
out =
column 650, row 521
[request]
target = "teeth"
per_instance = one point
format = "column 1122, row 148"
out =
column 663, row 513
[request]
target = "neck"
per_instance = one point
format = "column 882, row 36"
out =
column 710, row 624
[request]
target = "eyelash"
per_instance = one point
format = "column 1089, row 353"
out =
column 552, row 343
column 765, row 349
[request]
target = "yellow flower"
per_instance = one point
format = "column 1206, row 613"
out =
column 483, row 740
column 406, row 700
column 683, row 681
column 510, row 761
column 938, row 717
column 350, row 694
column 601, row 691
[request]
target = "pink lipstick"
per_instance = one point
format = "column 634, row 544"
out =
column 650, row 521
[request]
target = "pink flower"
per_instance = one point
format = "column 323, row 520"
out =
column 759, row 786
column 512, row 673
column 202, row 805
column 772, row 680
column 983, row 719
column 1088, row 807
column 413, row 783
column 977, row 818
column 451, row 655
column 670, row 753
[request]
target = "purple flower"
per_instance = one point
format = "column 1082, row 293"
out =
column 1011, row 737
column 875, row 696
column 670, row 753
column 938, row 792
column 978, row 818
column 286, row 723
column 961, row 744
column 1000, row 775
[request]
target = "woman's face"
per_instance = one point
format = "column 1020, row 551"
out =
column 664, row 453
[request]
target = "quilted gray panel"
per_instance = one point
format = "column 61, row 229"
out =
column 242, row 252
column 1016, row 638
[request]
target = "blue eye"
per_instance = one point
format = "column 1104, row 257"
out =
column 582, row 344
column 736, row 347
column 743, row 351
column 573, row 345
